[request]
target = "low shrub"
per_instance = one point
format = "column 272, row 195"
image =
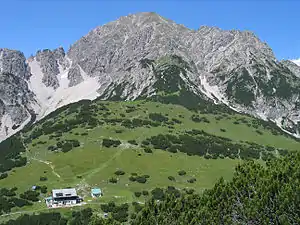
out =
column 192, row 180
column 181, row 173
column 145, row 193
column 109, row 142
column 113, row 180
column 148, row 150
column 137, row 194
column 171, row 178
column 43, row 178
column 133, row 142
column 119, row 172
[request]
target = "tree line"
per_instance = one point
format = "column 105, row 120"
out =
column 257, row 194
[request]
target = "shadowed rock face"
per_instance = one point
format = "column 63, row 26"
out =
column 74, row 75
column 13, row 62
column 15, row 96
column 230, row 67
column 49, row 66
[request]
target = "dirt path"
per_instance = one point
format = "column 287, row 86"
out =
column 49, row 164
column 39, row 160
column 103, row 166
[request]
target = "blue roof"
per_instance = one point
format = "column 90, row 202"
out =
column 96, row 191
column 48, row 199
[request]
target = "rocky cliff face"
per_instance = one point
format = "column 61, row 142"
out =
column 128, row 58
column 16, row 100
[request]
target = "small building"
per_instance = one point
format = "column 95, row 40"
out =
column 49, row 201
column 96, row 192
column 65, row 196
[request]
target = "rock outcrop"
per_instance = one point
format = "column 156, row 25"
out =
column 122, row 59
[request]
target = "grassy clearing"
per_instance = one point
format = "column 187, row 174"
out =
column 93, row 165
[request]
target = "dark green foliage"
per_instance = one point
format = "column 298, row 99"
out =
column 82, row 217
column 176, row 121
column 17, row 202
column 148, row 150
column 158, row 117
column 173, row 191
column 173, row 148
column 113, row 180
column 171, row 178
column 43, row 178
column 109, row 142
column 266, row 156
column 192, row 180
column 52, row 148
column 44, row 189
column 133, row 142
column 10, row 157
column 119, row 213
column 145, row 193
column 198, row 119
column 137, row 207
column 168, row 76
column 141, row 179
column 249, row 153
column 30, row 196
column 189, row 191
column 191, row 101
column 198, row 142
column 259, row 132
column 9, row 200
column 3, row 176
column 160, row 142
column 241, row 87
column 283, row 152
column 145, row 142
column 119, row 172
column 108, row 207
column 50, row 218
column 137, row 194
column 256, row 195
column 146, row 62
column 132, row 178
column 222, row 130
column 181, row 173
column 85, row 115
column 158, row 194
column 67, row 145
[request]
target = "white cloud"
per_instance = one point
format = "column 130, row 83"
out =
column 297, row 61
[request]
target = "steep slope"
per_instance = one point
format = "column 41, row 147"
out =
column 83, row 144
column 115, row 61
column 16, row 99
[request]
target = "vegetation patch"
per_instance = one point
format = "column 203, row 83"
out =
column 110, row 143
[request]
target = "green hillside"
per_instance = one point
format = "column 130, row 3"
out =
column 154, row 145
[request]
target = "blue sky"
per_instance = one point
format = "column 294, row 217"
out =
column 30, row 25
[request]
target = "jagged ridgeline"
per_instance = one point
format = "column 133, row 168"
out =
column 145, row 55
column 168, row 111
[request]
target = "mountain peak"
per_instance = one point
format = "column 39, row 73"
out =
column 123, row 59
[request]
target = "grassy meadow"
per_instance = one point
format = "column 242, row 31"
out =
column 92, row 164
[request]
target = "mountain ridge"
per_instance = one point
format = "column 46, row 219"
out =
column 229, row 67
